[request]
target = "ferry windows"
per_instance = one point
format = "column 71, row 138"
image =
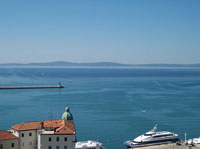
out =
column 147, row 134
column 13, row 145
column 1, row 146
column 30, row 134
column 57, row 139
column 49, row 147
column 65, row 139
column 22, row 134
column 65, row 147
column 49, row 139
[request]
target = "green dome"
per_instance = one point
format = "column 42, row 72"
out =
column 67, row 115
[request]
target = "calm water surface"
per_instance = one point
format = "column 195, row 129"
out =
column 108, row 105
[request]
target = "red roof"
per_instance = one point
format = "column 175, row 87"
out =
column 60, row 126
column 6, row 135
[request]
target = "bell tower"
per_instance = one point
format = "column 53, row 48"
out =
column 67, row 115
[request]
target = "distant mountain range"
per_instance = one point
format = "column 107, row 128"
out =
column 99, row 64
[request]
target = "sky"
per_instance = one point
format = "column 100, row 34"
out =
column 124, row 31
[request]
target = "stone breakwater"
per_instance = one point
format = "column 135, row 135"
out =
column 32, row 87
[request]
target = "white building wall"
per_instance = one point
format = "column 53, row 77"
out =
column 14, row 132
column 45, row 143
column 7, row 144
column 26, row 141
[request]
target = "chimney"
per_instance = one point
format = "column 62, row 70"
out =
column 42, row 125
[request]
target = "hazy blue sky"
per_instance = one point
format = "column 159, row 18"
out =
column 126, row 31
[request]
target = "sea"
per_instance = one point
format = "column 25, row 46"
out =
column 109, row 105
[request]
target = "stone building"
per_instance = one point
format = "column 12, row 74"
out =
column 8, row 140
column 51, row 134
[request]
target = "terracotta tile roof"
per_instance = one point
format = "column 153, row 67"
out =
column 63, row 130
column 6, row 135
column 59, row 126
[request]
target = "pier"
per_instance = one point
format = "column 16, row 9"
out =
column 32, row 87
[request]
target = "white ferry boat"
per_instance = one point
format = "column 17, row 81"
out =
column 89, row 145
column 153, row 138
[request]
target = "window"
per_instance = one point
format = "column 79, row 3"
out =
column 12, row 144
column 30, row 134
column 22, row 134
column 65, row 147
column 30, row 143
column 1, row 146
column 57, row 139
column 49, row 139
column 49, row 147
column 57, row 147
column 65, row 139
column 23, row 144
column 75, row 140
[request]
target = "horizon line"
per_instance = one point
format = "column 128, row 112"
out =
column 26, row 63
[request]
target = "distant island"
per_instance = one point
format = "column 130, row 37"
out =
column 97, row 64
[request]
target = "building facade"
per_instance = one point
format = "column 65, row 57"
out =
column 8, row 140
column 48, row 141
column 52, row 134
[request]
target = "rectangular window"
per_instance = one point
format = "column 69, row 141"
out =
column 22, row 134
column 30, row 143
column 65, row 147
column 1, row 146
column 12, row 144
column 65, row 138
column 75, row 140
column 30, row 134
column 57, row 147
column 49, row 147
column 49, row 139
column 57, row 139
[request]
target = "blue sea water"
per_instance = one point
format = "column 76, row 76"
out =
column 110, row 105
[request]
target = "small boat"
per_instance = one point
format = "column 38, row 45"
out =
column 153, row 138
column 89, row 145
column 196, row 140
column 190, row 142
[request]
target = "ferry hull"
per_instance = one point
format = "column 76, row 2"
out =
column 131, row 144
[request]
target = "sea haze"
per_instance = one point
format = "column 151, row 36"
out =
column 97, row 64
column 108, row 105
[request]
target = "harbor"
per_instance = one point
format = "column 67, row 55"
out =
column 64, row 129
column 161, row 139
column 170, row 146
column 105, row 107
